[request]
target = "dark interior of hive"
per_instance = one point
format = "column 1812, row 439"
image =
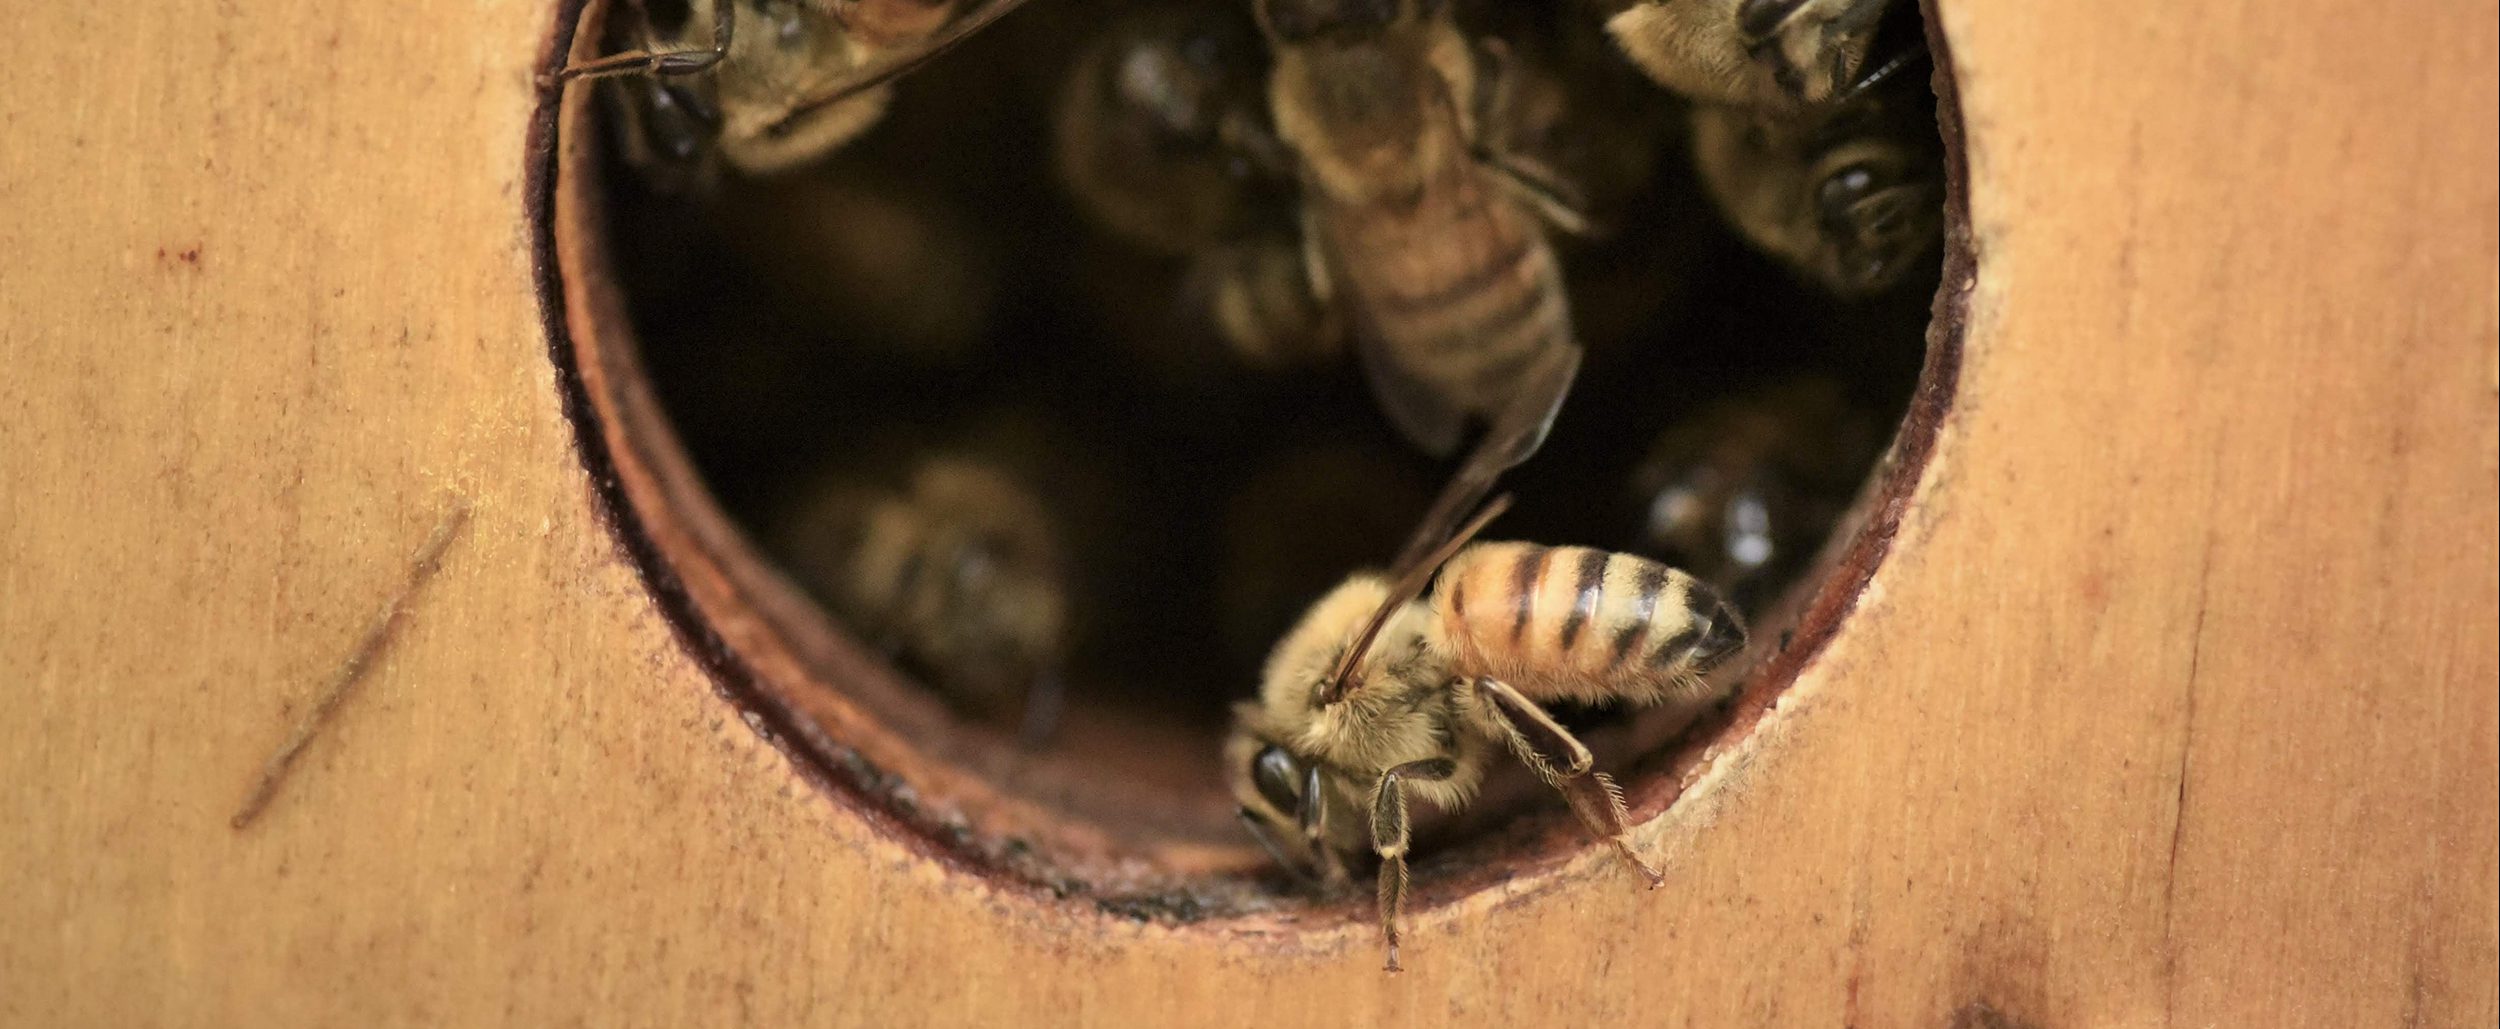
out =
column 931, row 287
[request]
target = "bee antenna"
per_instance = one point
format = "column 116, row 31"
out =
column 899, row 65
column 1346, row 676
column 1908, row 57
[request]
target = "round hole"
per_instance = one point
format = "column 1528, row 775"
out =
column 931, row 284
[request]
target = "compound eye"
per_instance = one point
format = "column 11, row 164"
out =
column 1839, row 193
column 1275, row 772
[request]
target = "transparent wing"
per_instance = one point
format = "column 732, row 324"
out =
column 1513, row 437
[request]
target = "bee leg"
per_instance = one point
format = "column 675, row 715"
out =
column 1532, row 182
column 1275, row 849
column 1334, row 879
column 1541, row 190
column 1760, row 19
column 1907, row 57
column 1259, row 294
column 662, row 62
column 1535, row 738
column 1813, row 47
column 1599, row 803
column 1564, row 763
column 1389, row 837
column 1315, row 260
column 1313, row 817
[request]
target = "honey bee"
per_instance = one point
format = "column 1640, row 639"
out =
column 1741, row 492
column 1759, row 54
column 1377, row 693
column 1552, row 97
column 1849, row 195
column 1433, row 242
column 804, row 78
column 959, row 573
column 1160, row 132
column 1161, row 135
column 1382, row 694
column 1257, row 290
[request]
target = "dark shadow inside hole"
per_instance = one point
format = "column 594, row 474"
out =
column 775, row 375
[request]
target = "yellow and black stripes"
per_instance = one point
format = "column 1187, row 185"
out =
column 1579, row 622
column 1462, row 289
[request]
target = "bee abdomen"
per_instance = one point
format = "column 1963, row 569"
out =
column 1489, row 331
column 1466, row 294
column 1260, row 296
column 1581, row 623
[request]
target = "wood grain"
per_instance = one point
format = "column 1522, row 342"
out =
column 2173, row 705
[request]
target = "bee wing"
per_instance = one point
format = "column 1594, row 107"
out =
column 894, row 66
column 1514, row 436
column 1421, row 411
column 1402, row 591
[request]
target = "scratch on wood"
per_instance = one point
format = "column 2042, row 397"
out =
column 342, row 681
column 2187, row 744
column 1860, row 914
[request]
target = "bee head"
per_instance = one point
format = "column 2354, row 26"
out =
column 1177, row 74
column 1877, row 215
column 1269, row 782
column 1875, row 188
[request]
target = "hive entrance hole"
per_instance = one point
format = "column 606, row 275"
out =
column 931, row 291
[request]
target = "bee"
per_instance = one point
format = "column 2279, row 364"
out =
column 1758, row 54
column 1567, row 104
column 1433, row 242
column 1161, row 135
column 804, row 78
column 1552, row 98
column 1377, row 698
column 960, row 573
column 1382, row 695
column 1741, row 492
column 1849, row 195
column 1160, row 132
column 1257, row 290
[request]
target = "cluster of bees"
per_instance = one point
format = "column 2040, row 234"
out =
column 1472, row 209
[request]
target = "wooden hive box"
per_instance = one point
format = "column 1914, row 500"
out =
column 2173, row 702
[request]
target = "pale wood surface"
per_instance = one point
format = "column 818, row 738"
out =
column 2174, row 705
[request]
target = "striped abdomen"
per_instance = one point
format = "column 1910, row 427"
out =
column 1259, row 291
column 1581, row 624
column 1460, row 289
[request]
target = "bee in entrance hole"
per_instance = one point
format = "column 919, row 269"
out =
column 1433, row 243
column 1382, row 694
column 1849, row 195
column 1161, row 133
column 960, row 573
column 1761, row 54
column 801, row 79
column 1162, row 137
column 1743, row 491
